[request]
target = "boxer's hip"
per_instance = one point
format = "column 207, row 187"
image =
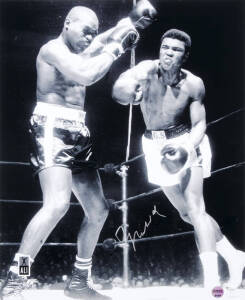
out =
column 59, row 136
column 154, row 141
column 170, row 133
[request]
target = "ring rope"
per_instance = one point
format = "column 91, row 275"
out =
column 45, row 244
column 237, row 165
column 228, row 167
column 208, row 124
column 131, row 241
column 30, row 202
column 159, row 189
column 155, row 238
column 16, row 163
column 226, row 116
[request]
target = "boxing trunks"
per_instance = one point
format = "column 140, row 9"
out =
column 59, row 138
column 154, row 141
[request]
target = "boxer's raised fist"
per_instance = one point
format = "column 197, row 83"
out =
column 143, row 14
column 128, row 91
column 121, row 39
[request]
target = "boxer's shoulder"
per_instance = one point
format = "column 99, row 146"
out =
column 194, row 83
column 51, row 49
column 146, row 68
column 148, row 64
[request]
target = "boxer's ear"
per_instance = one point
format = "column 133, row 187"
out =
column 186, row 55
column 67, row 23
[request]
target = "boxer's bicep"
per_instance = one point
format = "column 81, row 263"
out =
column 197, row 113
column 197, row 108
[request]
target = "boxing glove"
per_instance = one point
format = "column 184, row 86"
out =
column 121, row 39
column 143, row 14
column 175, row 157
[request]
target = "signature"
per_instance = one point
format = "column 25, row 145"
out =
column 136, row 233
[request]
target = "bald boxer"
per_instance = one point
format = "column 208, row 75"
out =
column 177, row 150
column 61, row 141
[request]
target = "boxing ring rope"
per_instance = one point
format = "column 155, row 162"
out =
column 112, row 242
column 226, row 116
column 142, row 195
column 109, row 168
column 208, row 124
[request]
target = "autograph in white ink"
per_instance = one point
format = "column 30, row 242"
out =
column 137, row 234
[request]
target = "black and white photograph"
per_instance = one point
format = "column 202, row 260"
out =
column 122, row 149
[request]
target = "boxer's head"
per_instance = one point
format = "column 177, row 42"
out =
column 175, row 48
column 80, row 28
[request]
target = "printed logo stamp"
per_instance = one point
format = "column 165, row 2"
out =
column 24, row 265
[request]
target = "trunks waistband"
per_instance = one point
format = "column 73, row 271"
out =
column 58, row 111
column 167, row 133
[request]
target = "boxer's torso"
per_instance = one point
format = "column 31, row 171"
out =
column 165, row 106
column 56, row 88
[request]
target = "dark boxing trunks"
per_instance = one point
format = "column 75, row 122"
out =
column 59, row 138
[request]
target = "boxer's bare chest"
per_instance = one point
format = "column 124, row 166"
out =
column 56, row 88
column 163, row 105
column 72, row 92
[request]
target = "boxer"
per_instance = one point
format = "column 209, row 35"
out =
column 77, row 58
column 177, row 150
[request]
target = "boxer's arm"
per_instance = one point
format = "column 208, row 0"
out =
column 86, row 69
column 101, row 40
column 128, row 88
column 141, row 16
column 98, row 43
column 83, row 70
column 198, row 115
column 102, row 37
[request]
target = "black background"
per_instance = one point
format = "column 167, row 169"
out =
column 217, row 56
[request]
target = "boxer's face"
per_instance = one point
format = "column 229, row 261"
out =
column 172, row 53
column 80, row 33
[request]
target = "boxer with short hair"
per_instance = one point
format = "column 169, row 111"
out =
column 177, row 150
column 62, row 147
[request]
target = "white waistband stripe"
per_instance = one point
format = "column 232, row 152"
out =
column 58, row 111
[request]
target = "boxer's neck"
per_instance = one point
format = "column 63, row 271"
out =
column 170, row 77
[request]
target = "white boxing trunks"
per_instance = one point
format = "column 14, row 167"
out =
column 152, row 146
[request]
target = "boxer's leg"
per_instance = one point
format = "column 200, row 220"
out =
column 56, row 183
column 235, row 260
column 187, row 197
column 88, row 190
column 192, row 187
column 56, row 187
